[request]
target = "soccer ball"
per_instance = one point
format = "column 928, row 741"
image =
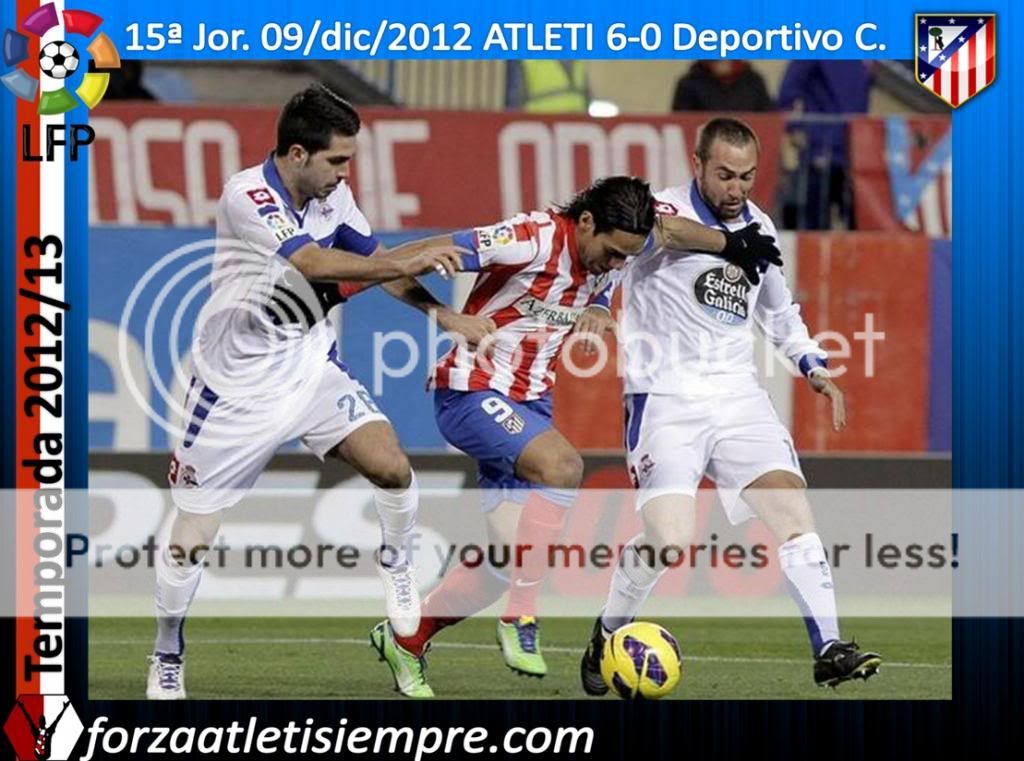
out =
column 58, row 59
column 641, row 660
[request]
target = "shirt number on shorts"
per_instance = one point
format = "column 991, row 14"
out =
column 348, row 404
column 497, row 409
column 503, row 414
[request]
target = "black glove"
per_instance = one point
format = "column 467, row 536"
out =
column 751, row 251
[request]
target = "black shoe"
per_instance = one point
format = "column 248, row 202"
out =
column 842, row 661
column 590, row 664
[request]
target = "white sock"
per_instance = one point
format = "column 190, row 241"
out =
column 632, row 583
column 397, row 514
column 809, row 580
column 175, row 587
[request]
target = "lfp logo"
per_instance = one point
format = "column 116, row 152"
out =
column 59, row 59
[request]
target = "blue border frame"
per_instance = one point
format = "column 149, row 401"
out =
column 988, row 392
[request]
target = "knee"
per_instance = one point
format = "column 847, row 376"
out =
column 783, row 479
column 192, row 530
column 794, row 518
column 562, row 471
column 786, row 512
column 668, row 532
column 669, row 528
column 390, row 471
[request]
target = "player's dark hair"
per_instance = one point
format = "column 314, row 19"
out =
column 312, row 117
column 616, row 203
column 732, row 131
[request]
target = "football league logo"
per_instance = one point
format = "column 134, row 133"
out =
column 43, row 728
column 504, row 234
column 59, row 59
column 956, row 54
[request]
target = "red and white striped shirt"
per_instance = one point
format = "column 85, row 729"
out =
column 534, row 286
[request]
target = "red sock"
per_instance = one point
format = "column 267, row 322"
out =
column 462, row 592
column 540, row 525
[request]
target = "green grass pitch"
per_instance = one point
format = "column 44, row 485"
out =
column 330, row 659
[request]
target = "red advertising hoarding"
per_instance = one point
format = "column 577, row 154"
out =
column 415, row 169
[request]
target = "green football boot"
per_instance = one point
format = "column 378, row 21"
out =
column 520, row 646
column 408, row 670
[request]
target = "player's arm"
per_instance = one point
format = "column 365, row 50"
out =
column 511, row 243
column 683, row 234
column 748, row 248
column 408, row 290
column 478, row 249
column 823, row 384
column 597, row 319
column 780, row 319
column 508, row 243
column 592, row 325
column 472, row 250
column 269, row 230
column 417, row 258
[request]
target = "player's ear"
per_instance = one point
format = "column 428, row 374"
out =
column 298, row 154
column 586, row 222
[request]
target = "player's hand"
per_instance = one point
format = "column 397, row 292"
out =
column 473, row 328
column 592, row 325
column 444, row 260
column 825, row 385
column 751, row 251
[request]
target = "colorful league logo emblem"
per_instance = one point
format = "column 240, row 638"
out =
column 59, row 59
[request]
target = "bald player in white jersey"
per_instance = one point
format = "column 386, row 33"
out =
column 694, row 406
column 291, row 243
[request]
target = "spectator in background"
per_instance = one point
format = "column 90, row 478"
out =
column 721, row 86
column 820, row 180
column 126, row 83
column 548, row 87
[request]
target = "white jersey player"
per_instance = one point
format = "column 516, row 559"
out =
column 266, row 365
column 694, row 405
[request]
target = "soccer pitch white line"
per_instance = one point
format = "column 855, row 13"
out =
column 480, row 646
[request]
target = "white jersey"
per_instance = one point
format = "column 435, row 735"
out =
column 688, row 316
column 246, row 342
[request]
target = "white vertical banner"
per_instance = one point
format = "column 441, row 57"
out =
column 51, row 286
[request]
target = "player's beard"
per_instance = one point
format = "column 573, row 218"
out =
column 718, row 207
column 729, row 216
column 326, row 191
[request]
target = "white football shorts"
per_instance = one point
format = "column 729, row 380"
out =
column 672, row 441
column 229, row 441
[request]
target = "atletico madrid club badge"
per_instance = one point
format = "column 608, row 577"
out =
column 956, row 54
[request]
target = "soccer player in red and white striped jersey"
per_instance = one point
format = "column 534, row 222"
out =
column 542, row 276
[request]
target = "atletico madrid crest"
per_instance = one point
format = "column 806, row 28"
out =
column 956, row 54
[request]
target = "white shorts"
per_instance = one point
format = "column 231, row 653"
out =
column 229, row 441
column 673, row 441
